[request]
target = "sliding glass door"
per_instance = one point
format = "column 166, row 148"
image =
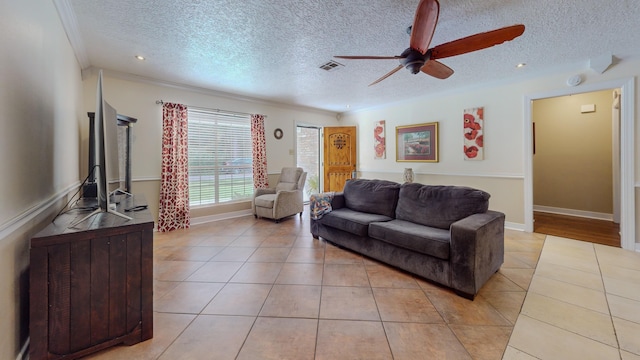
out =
column 308, row 157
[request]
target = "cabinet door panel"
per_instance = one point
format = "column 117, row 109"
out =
column 80, row 295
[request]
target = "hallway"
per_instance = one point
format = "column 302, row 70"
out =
column 578, row 228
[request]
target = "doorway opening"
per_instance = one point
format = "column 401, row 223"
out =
column 627, row 155
column 308, row 157
column 576, row 166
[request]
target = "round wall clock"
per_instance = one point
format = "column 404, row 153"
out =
column 277, row 133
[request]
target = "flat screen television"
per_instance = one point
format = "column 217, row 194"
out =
column 106, row 155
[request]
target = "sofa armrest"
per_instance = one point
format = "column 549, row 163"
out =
column 477, row 251
column 287, row 202
column 315, row 213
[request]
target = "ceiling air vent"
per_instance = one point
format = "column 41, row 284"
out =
column 331, row 65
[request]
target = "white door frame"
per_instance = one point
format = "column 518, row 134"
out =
column 320, row 148
column 615, row 154
column 627, row 154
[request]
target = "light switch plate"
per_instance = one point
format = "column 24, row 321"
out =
column 589, row 108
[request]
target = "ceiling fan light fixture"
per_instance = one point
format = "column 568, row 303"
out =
column 418, row 57
column 415, row 66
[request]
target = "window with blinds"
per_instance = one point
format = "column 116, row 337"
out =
column 220, row 157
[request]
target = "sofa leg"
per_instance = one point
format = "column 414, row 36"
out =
column 277, row 221
column 255, row 216
column 465, row 295
column 300, row 214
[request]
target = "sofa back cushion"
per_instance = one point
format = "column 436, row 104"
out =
column 439, row 206
column 372, row 196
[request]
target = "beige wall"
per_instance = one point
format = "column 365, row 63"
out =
column 137, row 98
column 506, row 193
column 572, row 165
column 40, row 105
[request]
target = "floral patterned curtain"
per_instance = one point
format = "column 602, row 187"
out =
column 260, row 179
column 174, row 182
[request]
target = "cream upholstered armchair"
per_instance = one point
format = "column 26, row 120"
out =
column 283, row 200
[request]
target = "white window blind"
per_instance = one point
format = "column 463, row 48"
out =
column 220, row 157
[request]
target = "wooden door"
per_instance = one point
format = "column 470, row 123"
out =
column 339, row 156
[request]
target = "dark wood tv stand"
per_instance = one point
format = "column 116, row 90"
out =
column 91, row 286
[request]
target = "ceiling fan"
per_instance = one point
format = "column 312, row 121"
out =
column 419, row 57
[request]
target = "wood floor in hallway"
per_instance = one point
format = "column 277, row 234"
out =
column 578, row 228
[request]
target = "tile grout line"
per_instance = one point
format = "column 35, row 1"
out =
column 324, row 255
column 606, row 299
column 375, row 301
column 535, row 269
column 583, row 336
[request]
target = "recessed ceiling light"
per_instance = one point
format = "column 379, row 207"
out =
column 139, row 57
column 348, row 106
column 521, row 65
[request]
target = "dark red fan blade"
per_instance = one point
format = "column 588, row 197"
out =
column 424, row 25
column 368, row 57
column 387, row 75
column 477, row 42
column 437, row 69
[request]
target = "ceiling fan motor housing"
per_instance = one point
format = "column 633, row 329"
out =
column 413, row 60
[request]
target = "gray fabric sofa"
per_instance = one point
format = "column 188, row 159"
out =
column 445, row 234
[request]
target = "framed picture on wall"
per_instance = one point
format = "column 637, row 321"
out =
column 417, row 142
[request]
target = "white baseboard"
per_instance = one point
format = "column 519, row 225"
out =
column 572, row 212
column 225, row 216
column 638, row 247
column 514, row 226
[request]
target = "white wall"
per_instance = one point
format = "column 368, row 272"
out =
column 502, row 172
column 137, row 97
column 40, row 102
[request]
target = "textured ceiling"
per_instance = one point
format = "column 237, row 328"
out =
column 272, row 49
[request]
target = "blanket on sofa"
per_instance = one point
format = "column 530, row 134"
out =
column 320, row 204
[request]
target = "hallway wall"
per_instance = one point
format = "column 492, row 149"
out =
column 572, row 163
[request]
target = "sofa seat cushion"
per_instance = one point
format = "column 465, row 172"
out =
column 265, row 200
column 423, row 239
column 353, row 222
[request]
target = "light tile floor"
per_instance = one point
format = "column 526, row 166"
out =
column 583, row 303
column 252, row 289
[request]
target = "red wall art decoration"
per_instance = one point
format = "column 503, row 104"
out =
column 379, row 144
column 473, row 129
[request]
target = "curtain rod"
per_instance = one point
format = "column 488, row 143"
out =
column 160, row 102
